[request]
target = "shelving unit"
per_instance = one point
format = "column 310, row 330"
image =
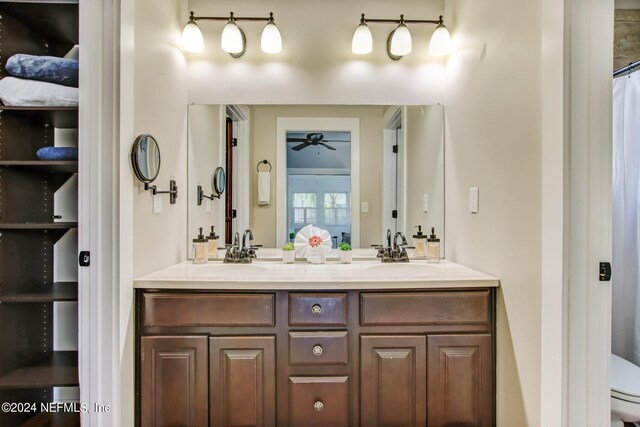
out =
column 38, row 223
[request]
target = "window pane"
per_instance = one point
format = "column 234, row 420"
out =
column 330, row 216
column 311, row 215
column 341, row 216
column 298, row 216
column 335, row 200
column 304, row 200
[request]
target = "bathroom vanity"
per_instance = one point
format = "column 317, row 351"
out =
column 364, row 344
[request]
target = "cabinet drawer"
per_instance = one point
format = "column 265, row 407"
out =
column 315, row 309
column 202, row 309
column 318, row 401
column 425, row 308
column 318, row 348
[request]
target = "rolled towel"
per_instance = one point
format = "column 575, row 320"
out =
column 264, row 188
column 50, row 69
column 30, row 93
column 57, row 153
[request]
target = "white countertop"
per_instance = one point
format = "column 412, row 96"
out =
column 273, row 275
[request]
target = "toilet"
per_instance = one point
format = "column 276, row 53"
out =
column 625, row 392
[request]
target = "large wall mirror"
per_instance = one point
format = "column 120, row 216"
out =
column 355, row 170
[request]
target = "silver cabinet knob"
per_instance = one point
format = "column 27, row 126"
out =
column 317, row 350
column 316, row 309
column 318, row 406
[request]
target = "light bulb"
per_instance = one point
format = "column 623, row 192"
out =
column 231, row 41
column 401, row 41
column 362, row 42
column 192, row 37
column 440, row 43
column 271, row 41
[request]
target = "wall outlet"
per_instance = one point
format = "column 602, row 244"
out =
column 425, row 203
column 157, row 204
column 365, row 207
column 473, row 200
column 207, row 205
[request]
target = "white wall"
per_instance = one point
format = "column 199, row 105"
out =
column 493, row 141
column 160, row 109
column 316, row 65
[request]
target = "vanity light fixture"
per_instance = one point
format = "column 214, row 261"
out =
column 233, row 40
column 399, row 42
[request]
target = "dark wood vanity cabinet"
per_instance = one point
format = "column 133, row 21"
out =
column 353, row 358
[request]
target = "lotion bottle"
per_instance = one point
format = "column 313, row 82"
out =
column 433, row 247
column 420, row 243
column 213, row 244
column 200, row 249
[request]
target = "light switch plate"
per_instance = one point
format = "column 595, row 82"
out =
column 365, row 207
column 425, row 203
column 207, row 205
column 473, row 200
column 157, row 204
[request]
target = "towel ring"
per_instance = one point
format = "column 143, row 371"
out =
column 263, row 162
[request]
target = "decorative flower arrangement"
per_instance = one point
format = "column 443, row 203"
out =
column 313, row 243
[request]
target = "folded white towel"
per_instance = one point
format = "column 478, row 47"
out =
column 264, row 188
column 30, row 93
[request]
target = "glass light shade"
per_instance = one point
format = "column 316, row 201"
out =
column 401, row 41
column 192, row 38
column 362, row 42
column 231, row 41
column 271, row 41
column 440, row 43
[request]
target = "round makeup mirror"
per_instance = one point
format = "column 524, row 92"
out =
column 145, row 158
column 219, row 181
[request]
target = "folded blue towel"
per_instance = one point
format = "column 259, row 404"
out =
column 44, row 68
column 57, row 153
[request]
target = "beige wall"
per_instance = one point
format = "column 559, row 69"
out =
column 493, row 141
column 262, row 219
column 160, row 109
column 316, row 65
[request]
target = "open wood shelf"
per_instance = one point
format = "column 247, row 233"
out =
column 36, row 108
column 55, row 21
column 58, row 419
column 60, row 117
column 39, row 226
column 55, row 166
column 60, row 369
column 58, row 291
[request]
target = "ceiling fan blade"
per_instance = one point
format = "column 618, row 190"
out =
column 301, row 146
column 296, row 139
column 333, row 140
column 327, row 146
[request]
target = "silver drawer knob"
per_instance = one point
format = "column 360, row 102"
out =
column 316, row 309
column 317, row 350
column 318, row 406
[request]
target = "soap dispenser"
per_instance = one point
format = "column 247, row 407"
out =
column 213, row 243
column 433, row 247
column 420, row 243
column 200, row 249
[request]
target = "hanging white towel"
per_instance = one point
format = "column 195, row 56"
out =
column 264, row 188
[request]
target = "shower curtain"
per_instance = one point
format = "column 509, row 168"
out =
column 626, row 213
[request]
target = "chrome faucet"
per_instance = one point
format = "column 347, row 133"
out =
column 241, row 255
column 395, row 253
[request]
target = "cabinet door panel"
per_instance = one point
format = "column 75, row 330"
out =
column 393, row 381
column 173, row 381
column 242, row 381
column 460, row 380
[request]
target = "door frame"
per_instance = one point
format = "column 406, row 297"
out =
column 288, row 124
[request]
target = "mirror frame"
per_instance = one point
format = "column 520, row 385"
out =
column 134, row 159
column 219, row 175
